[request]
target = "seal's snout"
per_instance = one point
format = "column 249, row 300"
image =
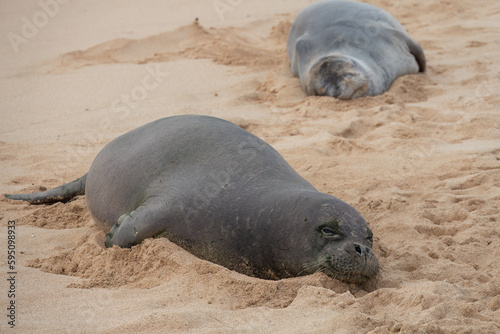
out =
column 360, row 250
column 357, row 250
column 353, row 262
column 337, row 77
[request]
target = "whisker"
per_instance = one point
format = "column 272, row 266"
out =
column 311, row 265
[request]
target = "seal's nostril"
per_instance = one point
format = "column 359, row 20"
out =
column 367, row 250
column 358, row 249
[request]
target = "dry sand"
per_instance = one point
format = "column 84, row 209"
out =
column 420, row 162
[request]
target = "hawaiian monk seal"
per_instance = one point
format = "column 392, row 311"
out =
column 224, row 195
column 348, row 49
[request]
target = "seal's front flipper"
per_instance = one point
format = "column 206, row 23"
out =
column 60, row 194
column 133, row 227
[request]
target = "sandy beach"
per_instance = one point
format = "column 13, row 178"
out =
column 420, row 162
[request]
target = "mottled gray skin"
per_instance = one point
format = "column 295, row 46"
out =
column 226, row 196
column 348, row 49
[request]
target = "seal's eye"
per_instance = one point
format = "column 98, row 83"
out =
column 328, row 232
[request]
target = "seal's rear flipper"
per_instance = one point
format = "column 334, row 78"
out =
column 418, row 53
column 62, row 193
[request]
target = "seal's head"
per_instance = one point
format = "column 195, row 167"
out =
column 337, row 76
column 335, row 239
column 346, row 254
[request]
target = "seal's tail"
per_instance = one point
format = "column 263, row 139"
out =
column 60, row 194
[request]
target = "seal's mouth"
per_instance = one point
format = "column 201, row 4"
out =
column 351, row 270
column 349, row 277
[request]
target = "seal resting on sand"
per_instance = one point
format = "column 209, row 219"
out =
column 224, row 195
column 348, row 49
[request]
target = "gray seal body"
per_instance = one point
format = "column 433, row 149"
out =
column 348, row 49
column 226, row 196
